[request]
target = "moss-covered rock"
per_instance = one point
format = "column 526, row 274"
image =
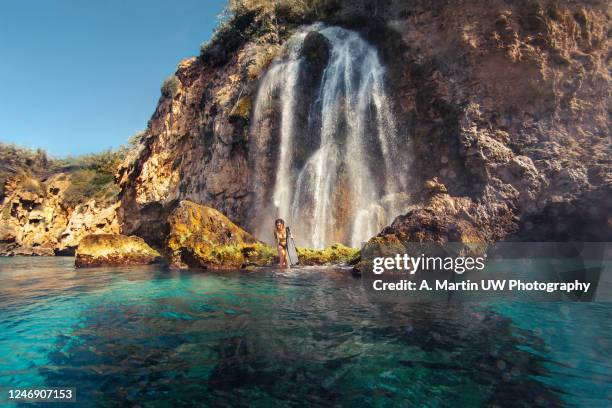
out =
column 202, row 237
column 114, row 250
column 332, row 255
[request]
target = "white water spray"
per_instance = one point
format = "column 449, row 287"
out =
column 348, row 187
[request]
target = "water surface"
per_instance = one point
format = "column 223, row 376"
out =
column 157, row 337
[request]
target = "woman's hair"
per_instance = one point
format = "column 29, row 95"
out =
column 279, row 220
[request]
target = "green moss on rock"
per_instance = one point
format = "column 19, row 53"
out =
column 202, row 237
column 332, row 255
column 114, row 250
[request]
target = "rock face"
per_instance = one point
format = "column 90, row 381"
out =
column 114, row 250
column 202, row 237
column 440, row 218
column 35, row 220
column 506, row 103
column 501, row 106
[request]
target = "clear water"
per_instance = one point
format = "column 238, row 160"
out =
column 154, row 337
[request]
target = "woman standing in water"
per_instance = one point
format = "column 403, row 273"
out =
column 280, row 235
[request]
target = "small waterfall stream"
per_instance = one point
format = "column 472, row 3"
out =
column 339, row 174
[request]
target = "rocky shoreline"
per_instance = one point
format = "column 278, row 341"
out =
column 198, row 237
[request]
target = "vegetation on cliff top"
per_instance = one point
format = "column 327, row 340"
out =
column 15, row 160
column 91, row 175
column 244, row 19
column 170, row 86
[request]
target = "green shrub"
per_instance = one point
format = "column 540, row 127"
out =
column 92, row 176
column 293, row 10
column 33, row 186
column 18, row 161
column 136, row 138
column 171, row 86
column 87, row 184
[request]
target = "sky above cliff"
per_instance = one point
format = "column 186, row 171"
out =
column 78, row 77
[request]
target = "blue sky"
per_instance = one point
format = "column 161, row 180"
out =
column 82, row 76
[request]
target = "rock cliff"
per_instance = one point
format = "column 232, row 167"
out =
column 506, row 103
column 502, row 112
column 36, row 220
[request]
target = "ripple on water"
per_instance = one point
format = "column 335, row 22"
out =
column 286, row 337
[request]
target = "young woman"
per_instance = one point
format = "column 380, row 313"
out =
column 280, row 235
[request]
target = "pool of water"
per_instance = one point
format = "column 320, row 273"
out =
column 308, row 337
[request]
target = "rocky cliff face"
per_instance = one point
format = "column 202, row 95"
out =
column 505, row 102
column 35, row 220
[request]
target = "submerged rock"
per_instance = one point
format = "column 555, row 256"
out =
column 202, row 237
column 114, row 250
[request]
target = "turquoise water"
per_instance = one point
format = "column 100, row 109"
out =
column 154, row 337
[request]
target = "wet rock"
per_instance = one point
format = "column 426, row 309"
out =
column 30, row 251
column 434, row 186
column 202, row 237
column 315, row 49
column 114, row 250
column 429, row 225
column 335, row 254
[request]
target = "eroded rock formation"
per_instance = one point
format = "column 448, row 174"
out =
column 502, row 111
column 505, row 102
column 36, row 221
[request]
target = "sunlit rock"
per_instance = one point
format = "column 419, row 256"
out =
column 114, row 250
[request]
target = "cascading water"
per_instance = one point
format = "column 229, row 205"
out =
column 338, row 177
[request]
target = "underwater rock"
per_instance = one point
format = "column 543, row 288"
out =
column 114, row 250
column 202, row 237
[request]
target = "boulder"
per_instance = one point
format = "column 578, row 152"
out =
column 202, row 237
column 114, row 250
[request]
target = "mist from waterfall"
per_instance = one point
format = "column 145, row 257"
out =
column 339, row 176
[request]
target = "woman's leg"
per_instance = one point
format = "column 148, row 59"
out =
column 286, row 254
column 282, row 258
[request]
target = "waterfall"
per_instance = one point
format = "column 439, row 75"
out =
column 340, row 175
